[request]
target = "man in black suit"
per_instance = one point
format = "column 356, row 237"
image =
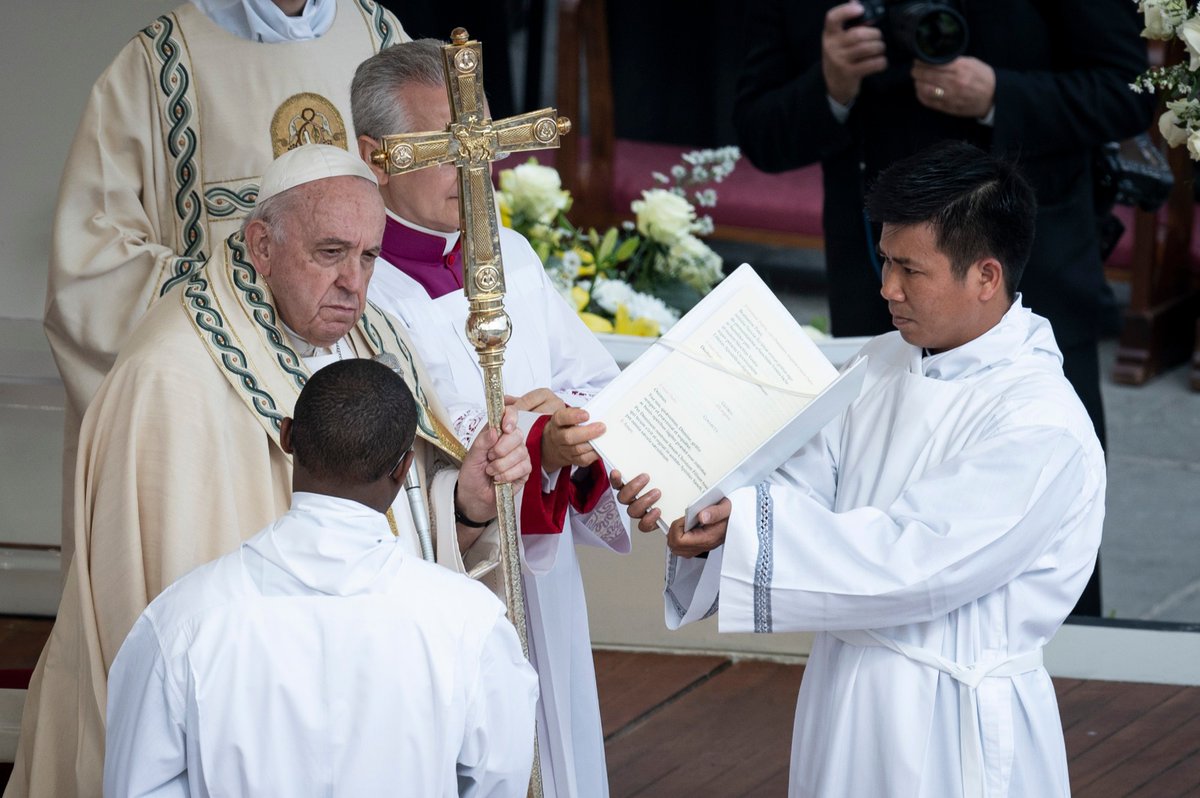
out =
column 1040, row 83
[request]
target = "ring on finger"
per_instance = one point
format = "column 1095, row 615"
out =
column 938, row 92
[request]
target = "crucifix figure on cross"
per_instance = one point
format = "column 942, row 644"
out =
column 471, row 143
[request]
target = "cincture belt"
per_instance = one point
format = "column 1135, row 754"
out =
column 969, row 677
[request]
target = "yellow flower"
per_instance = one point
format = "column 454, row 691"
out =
column 505, row 215
column 579, row 297
column 595, row 323
column 628, row 326
column 587, row 262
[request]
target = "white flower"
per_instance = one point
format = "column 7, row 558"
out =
column 611, row 294
column 1193, row 145
column 663, row 216
column 1189, row 32
column 571, row 263
column 1171, row 126
column 1162, row 17
column 534, row 190
column 691, row 260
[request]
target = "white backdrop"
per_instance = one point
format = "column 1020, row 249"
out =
column 51, row 52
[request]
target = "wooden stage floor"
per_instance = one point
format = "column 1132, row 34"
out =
column 711, row 727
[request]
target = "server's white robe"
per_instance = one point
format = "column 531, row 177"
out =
column 180, row 462
column 550, row 348
column 166, row 163
column 321, row 658
column 956, row 506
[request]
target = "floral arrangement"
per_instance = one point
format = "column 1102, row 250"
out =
column 638, row 278
column 1179, row 84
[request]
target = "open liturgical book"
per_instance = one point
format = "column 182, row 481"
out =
column 722, row 400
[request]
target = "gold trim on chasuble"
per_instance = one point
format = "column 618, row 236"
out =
column 306, row 118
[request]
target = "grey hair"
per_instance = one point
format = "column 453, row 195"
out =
column 272, row 211
column 374, row 93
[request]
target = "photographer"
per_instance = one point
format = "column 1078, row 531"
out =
column 1039, row 83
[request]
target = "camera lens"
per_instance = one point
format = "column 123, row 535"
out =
column 940, row 37
column 933, row 32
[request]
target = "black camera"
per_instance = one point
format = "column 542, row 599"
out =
column 931, row 31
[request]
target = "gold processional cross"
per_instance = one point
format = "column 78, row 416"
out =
column 471, row 142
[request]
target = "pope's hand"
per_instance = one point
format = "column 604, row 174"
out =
column 566, row 440
column 849, row 54
column 539, row 400
column 640, row 506
column 492, row 458
column 705, row 536
column 964, row 87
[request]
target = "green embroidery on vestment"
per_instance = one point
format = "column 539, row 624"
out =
column 383, row 26
column 221, row 201
column 181, row 142
column 233, row 359
column 245, row 279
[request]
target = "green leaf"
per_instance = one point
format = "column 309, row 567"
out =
column 627, row 248
column 607, row 245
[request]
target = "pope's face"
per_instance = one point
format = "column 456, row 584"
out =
column 319, row 261
column 428, row 197
column 930, row 306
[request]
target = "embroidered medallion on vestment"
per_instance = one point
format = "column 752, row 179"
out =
column 306, row 118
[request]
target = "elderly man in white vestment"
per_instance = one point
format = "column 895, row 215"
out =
column 552, row 361
column 181, row 455
column 167, row 158
column 938, row 532
column 320, row 657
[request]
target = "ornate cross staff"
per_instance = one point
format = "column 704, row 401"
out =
column 471, row 143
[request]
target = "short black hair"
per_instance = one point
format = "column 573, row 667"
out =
column 979, row 206
column 353, row 422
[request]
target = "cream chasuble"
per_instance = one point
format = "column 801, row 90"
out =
column 179, row 462
column 166, row 161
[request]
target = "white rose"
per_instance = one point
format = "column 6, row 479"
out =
column 1193, row 145
column 1190, row 33
column 1172, row 129
column 534, row 190
column 695, row 263
column 663, row 216
column 1162, row 17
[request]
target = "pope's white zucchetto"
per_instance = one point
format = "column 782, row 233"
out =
column 308, row 163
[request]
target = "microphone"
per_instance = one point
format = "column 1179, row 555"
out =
column 412, row 483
